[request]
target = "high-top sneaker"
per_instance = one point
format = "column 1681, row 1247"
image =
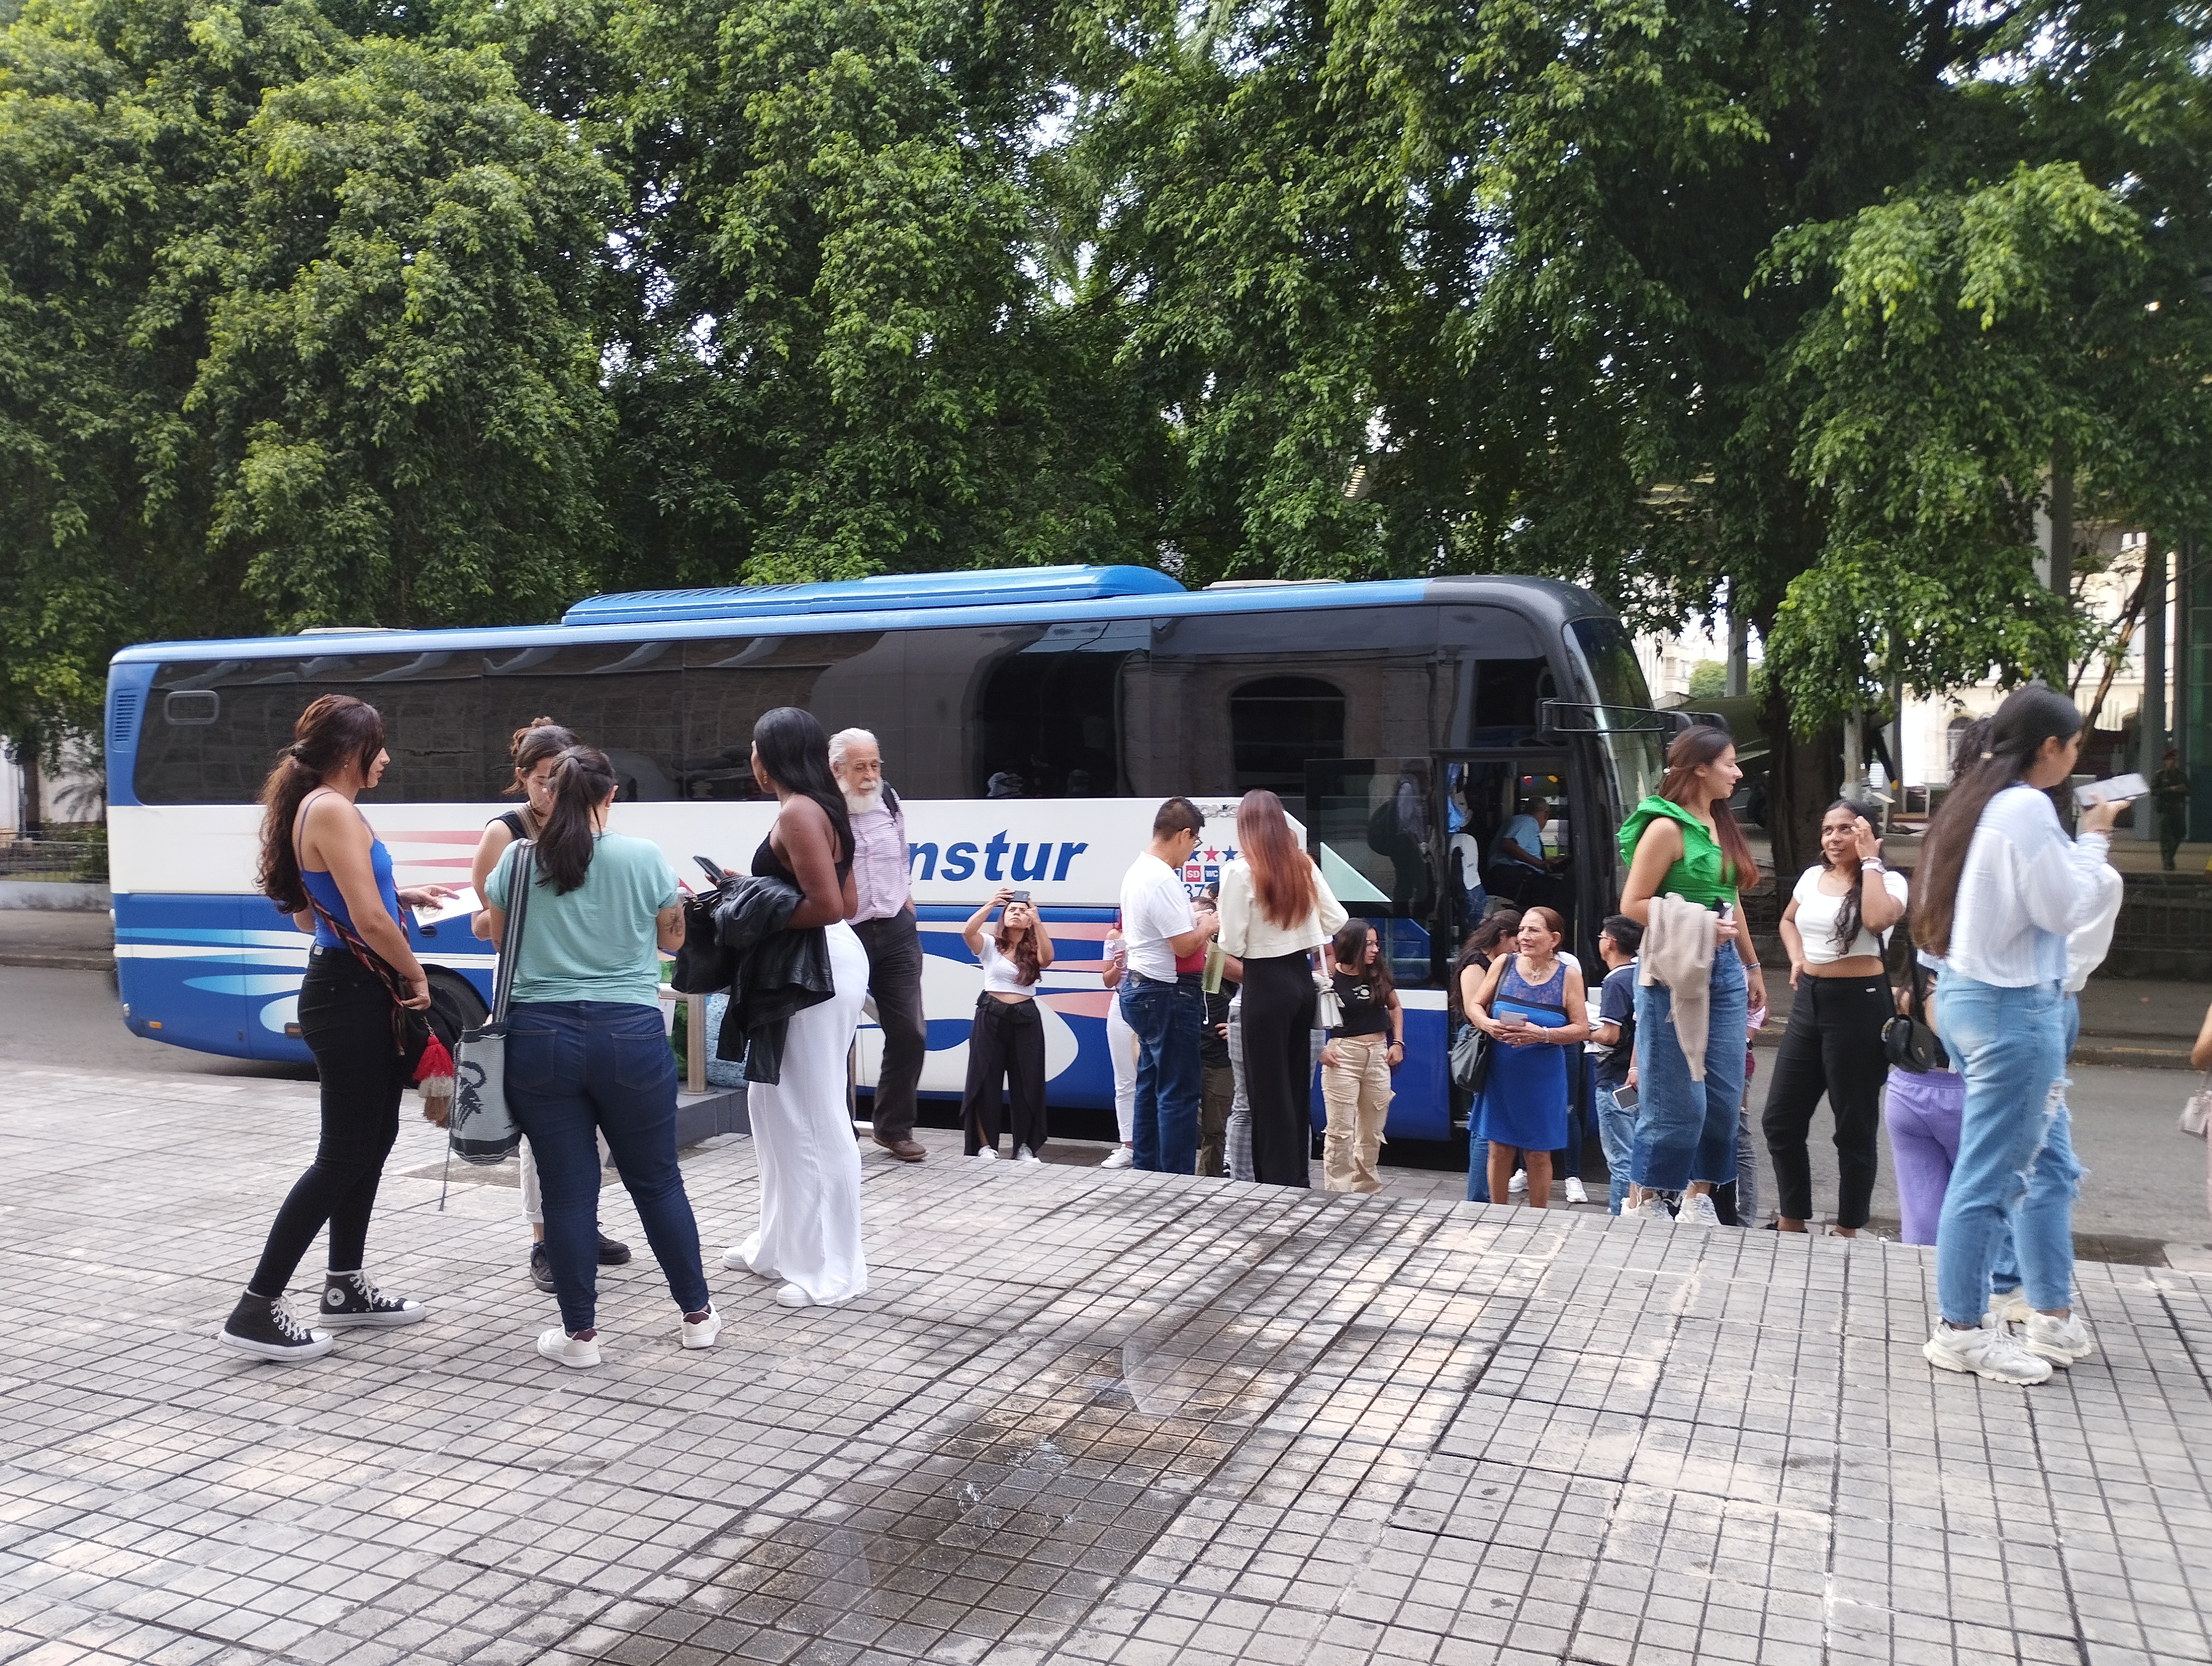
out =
column 267, row 1329
column 351, row 1302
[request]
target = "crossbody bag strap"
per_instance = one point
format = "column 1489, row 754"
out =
column 510, row 943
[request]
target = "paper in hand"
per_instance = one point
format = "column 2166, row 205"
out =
column 463, row 904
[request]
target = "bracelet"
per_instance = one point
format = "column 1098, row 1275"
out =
column 1874, row 862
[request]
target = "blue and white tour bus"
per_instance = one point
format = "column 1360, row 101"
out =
column 1031, row 719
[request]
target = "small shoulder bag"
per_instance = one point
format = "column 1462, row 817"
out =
column 1906, row 1039
column 482, row 1128
column 2197, row 1114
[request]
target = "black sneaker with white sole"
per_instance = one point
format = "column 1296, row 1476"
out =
column 351, row 1302
column 267, row 1329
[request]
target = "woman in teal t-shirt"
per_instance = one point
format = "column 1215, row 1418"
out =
column 585, row 1049
column 1681, row 841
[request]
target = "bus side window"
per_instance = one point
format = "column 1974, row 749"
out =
column 625, row 698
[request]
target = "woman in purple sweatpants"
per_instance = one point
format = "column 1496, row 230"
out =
column 1921, row 1109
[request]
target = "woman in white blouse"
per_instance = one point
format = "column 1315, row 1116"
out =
column 1277, row 911
column 2000, row 888
column 1834, row 928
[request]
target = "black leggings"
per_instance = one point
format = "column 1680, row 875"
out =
column 1832, row 1045
column 1006, row 1044
column 345, row 1018
column 1277, row 1030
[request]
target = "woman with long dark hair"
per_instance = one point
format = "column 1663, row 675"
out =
column 532, row 752
column 1530, row 1004
column 2000, row 889
column 1005, row 1045
column 1834, row 928
column 1492, row 938
column 1681, row 842
column 1357, row 1060
column 1276, row 912
column 586, row 1056
column 323, row 865
column 809, row 1166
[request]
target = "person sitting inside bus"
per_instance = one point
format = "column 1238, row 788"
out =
column 1519, row 869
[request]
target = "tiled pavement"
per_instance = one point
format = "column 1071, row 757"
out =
column 1082, row 1416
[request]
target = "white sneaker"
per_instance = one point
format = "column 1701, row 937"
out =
column 2062, row 1341
column 702, row 1332
column 1652, row 1209
column 558, row 1346
column 791, row 1296
column 989, row 1154
column 1024, row 1154
column 735, row 1259
column 1990, row 1353
column 2008, row 1307
column 1519, row 1183
column 1696, row 1210
column 1576, row 1192
column 1119, row 1158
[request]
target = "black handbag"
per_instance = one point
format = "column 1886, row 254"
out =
column 702, row 966
column 1470, row 1058
column 1908, row 1042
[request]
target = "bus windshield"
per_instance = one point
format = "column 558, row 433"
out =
column 1615, row 684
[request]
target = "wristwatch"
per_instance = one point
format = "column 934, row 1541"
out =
column 1874, row 862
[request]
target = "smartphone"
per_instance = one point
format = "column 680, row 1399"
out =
column 714, row 874
column 1624, row 1098
column 1018, row 897
column 2117, row 790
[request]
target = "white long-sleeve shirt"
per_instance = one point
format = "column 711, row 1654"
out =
column 2024, row 889
column 1249, row 935
column 2088, row 944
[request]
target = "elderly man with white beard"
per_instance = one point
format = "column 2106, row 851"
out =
column 885, row 923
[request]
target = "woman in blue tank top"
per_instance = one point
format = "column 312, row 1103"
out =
column 322, row 865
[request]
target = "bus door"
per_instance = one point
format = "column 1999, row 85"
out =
column 1376, row 827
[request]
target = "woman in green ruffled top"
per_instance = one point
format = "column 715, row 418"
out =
column 1682, row 841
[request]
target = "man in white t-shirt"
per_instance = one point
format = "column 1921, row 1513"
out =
column 1159, row 928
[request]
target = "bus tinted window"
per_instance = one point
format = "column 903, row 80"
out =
column 847, row 679
column 625, row 698
column 1277, row 724
column 217, row 743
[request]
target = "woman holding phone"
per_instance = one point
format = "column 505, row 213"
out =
column 1681, row 841
column 1005, row 1044
column 1834, row 928
column 2000, row 888
column 1530, row 1004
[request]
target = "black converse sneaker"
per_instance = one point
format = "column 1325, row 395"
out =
column 266, row 1330
column 349, row 1300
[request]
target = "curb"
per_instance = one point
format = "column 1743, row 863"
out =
column 58, row 961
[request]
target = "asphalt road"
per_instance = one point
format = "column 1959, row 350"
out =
column 2147, row 1180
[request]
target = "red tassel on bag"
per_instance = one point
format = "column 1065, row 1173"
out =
column 434, row 1074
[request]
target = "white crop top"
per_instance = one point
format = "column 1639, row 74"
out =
column 1816, row 918
column 1001, row 977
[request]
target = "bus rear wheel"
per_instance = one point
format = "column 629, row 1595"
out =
column 455, row 1006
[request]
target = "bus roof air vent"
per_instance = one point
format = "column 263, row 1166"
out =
column 884, row 592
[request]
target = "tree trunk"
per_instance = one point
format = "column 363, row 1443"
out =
column 1802, row 776
column 34, row 792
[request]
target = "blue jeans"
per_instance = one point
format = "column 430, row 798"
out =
column 573, row 1065
column 1616, row 1132
column 2042, row 1225
column 1686, row 1130
column 1167, row 1018
column 1478, row 1163
column 2009, row 1045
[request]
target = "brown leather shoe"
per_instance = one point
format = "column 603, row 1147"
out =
column 907, row 1151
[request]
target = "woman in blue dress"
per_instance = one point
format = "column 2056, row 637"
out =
column 1530, row 1004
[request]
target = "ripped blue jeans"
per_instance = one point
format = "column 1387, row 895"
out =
column 2034, row 1251
column 2009, row 1045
